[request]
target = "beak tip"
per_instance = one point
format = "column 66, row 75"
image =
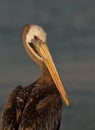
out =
column 67, row 103
column 66, row 100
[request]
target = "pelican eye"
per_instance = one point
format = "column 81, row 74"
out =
column 36, row 38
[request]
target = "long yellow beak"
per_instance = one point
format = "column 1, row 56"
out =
column 45, row 54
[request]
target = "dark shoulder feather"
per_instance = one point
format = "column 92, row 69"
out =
column 34, row 107
column 43, row 109
column 13, row 108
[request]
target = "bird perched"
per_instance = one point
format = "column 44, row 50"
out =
column 37, row 106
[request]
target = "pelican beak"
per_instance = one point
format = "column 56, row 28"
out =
column 46, row 56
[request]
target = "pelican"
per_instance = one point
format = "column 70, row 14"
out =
column 37, row 106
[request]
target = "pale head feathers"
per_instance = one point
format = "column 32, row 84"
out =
column 33, row 31
column 29, row 33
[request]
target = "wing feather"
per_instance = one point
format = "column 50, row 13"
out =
column 13, row 108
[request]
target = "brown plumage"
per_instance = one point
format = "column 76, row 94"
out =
column 39, row 105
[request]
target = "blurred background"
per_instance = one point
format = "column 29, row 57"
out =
column 70, row 25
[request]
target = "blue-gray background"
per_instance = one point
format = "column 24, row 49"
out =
column 70, row 25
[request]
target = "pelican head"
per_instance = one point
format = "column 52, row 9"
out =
column 35, row 43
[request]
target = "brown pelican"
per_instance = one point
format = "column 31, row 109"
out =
column 39, row 105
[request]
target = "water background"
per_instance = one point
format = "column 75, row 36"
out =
column 70, row 25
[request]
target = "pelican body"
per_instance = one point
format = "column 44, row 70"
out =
column 37, row 106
